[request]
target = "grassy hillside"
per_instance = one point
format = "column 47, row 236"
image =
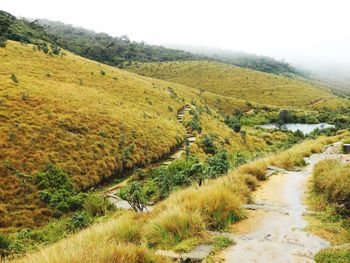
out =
column 239, row 83
column 89, row 119
column 179, row 222
column 92, row 121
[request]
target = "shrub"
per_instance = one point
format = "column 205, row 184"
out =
column 2, row 41
column 207, row 144
column 218, row 164
column 96, row 205
column 127, row 229
column 173, row 226
column 194, row 123
column 4, row 245
column 257, row 169
column 78, row 221
column 331, row 179
column 14, row 78
column 333, row 256
column 103, row 73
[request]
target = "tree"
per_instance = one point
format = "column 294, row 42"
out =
column 134, row 195
column 198, row 173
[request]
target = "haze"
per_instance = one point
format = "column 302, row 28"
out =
column 307, row 33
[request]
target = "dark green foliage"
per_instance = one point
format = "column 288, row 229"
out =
column 4, row 245
column 194, row 123
column 57, row 189
column 117, row 51
column 239, row 158
column 234, row 123
column 103, row 73
column 207, row 144
column 78, row 221
column 218, row 164
column 198, row 173
column 14, row 78
column 164, row 183
column 287, row 117
column 134, row 195
column 53, row 178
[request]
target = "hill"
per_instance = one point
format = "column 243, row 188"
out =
column 101, row 47
column 244, row 84
column 244, row 60
column 95, row 122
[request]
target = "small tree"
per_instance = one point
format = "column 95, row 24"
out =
column 198, row 173
column 134, row 195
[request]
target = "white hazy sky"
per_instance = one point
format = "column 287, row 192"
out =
column 297, row 30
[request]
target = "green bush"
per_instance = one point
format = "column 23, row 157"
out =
column 4, row 245
column 218, row 164
column 97, row 205
column 78, row 221
column 207, row 144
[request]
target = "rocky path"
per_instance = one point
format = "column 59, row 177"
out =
column 113, row 190
column 274, row 231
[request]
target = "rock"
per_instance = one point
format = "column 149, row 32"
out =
column 276, row 169
column 197, row 254
column 168, row 254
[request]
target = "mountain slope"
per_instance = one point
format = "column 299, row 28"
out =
column 94, row 122
column 89, row 119
column 235, row 82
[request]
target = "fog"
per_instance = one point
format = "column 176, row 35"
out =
column 310, row 34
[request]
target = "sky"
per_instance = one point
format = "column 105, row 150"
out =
column 314, row 32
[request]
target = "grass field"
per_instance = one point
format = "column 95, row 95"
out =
column 92, row 121
column 243, row 84
column 179, row 222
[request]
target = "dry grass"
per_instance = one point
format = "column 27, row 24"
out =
column 239, row 83
column 178, row 222
column 63, row 110
column 99, row 243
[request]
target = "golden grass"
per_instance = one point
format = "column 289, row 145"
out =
column 99, row 243
column 63, row 110
column 177, row 222
column 240, row 83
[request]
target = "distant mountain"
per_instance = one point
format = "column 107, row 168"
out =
column 244, row 60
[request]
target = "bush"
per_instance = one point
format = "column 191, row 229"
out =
column 14, row 78
column 96, row 205
column 218, row 164
column 78, row 221
column 194, row 123
column 331, row 178
column 333, row 256
column 207, row 144
column 173, row 226
column 4, row 245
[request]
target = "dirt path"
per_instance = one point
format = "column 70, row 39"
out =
column 113, row 190
column 274, row 232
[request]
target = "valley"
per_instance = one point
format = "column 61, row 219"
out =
column 113, row 150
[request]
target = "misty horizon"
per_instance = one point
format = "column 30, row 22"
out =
column 312, row 36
